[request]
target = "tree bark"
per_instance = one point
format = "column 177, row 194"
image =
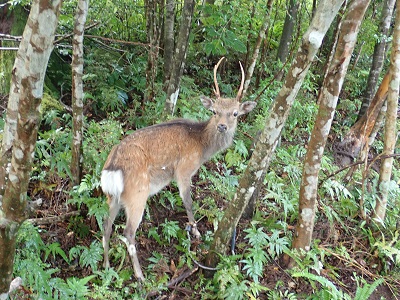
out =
column 259, row 161
column 256, row 51
column 178, row 64
column 328, row 100
column 77, row 91
column 287, row 32
column 390, row 124
column 153, row 38
column 349, row 148
column 25, row 97
column 17, row 17
column 378, row 57
column 169, row 38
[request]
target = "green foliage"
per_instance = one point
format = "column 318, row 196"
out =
column 38, row 276
column 264, row 248
column 300, row 121
column 99, row 138
column 54, row 249
column 115, row 82
column 327, row 285
column 75, row 288
column 52, row 153
column 170, row 229
column 219, row 39
column 88, row 257
column 82, row 194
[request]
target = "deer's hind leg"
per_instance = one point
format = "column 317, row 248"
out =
column 134, row 200
column 114, row 207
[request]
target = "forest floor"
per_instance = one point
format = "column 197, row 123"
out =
column 56, row 228
column 341, row 269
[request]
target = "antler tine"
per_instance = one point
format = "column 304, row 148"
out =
column 216, row 90
column 240, row 92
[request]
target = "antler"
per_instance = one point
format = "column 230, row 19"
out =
column 240, row 92
column 216, row 90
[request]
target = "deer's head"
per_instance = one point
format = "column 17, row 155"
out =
column 226, row 110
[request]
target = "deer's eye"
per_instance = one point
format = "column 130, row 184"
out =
column 214, row 112
column 235, row 113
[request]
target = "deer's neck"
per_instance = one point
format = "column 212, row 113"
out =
column 215, row 141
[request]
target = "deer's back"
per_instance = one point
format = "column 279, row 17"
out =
column 160, row 146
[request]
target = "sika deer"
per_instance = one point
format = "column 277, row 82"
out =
column 148, row 159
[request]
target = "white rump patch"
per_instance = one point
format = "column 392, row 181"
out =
column 112, row 183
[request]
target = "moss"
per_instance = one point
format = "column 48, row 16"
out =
column 49, row 103
column 7, row 58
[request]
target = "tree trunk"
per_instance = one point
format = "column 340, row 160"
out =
column 26, row 94
column 287, row 32
column 169, row 38
column 259, row 161
column 77, row 91
column 153, row 38
column 378, row 57
column 256, row 51
column 390, row 123
column 349, row 148
column 328, row 100
column 12, row 23
column 179, row 57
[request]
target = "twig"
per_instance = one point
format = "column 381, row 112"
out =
column 63, row 37
column 117, row 41
column 184, row 275
column 359, row 162
column 55, row 219
column 270, row 82
column 173, row 282
column 354, row 263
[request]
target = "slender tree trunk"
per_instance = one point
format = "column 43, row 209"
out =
column 328, row 100
column 77, row 91
column 287, row 32
column 26, row 94
column 349, row 148
column 378, row 57
column 179, row 56
column 153, row 38
column 17, row 17
column 390, row 123
column 250, row 32
column 256, row 51
column 259, row 161
column 169, row 38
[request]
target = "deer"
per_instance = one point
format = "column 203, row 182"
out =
column 147, row 160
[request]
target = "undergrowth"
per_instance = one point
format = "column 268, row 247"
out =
column 346, row 250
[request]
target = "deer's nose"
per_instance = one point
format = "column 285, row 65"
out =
column 222, row 127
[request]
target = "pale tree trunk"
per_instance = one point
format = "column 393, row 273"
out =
column 26, row 92
column 10, row 125
column 390, row 123
column 378, row 57
column 178, row 63
column 77, row 91
column 256, row 50
column 169, row 38
column 153, row 38
column 265, row 147
column 328, row 100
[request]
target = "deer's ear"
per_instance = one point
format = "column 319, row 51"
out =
column 246, row 107
column 207, row 102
